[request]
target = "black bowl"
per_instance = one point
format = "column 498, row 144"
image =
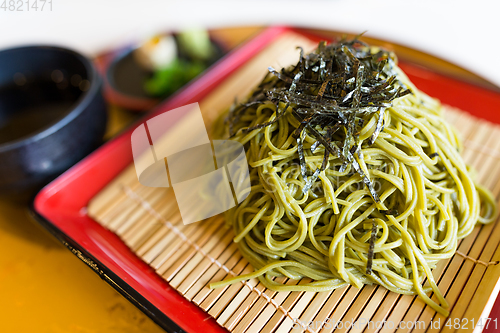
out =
column 52, row 114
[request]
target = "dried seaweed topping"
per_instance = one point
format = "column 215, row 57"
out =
column 329, row 91
column 436, row 154
column 389, row 212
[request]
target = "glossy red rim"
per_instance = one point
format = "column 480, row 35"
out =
column 60, row 206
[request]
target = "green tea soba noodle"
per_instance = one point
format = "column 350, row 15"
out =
column 356, row 177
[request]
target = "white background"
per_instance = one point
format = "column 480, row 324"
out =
column 463, row 32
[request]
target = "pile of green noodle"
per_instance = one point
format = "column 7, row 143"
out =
column 427, row 200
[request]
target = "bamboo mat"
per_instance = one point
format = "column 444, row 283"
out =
column 191, row 256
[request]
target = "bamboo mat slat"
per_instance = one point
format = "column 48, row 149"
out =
column 190, row 257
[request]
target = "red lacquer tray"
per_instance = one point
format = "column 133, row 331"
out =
column 61, row 206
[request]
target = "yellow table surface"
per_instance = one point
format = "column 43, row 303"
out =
column 45, row 288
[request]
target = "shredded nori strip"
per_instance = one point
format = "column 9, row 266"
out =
column 389, row 212
column 302, row 160
column 378, row 128
column 315, row 146
column 235, row 113
column 278, row 116
column 328, row 91
column 371, row 248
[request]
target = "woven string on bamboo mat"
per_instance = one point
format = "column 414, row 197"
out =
column 192, row 256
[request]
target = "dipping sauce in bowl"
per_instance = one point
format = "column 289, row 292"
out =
column 52, row 114
column 28, row 106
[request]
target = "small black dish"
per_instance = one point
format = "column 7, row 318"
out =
column 125, row 77
column 52, row 114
